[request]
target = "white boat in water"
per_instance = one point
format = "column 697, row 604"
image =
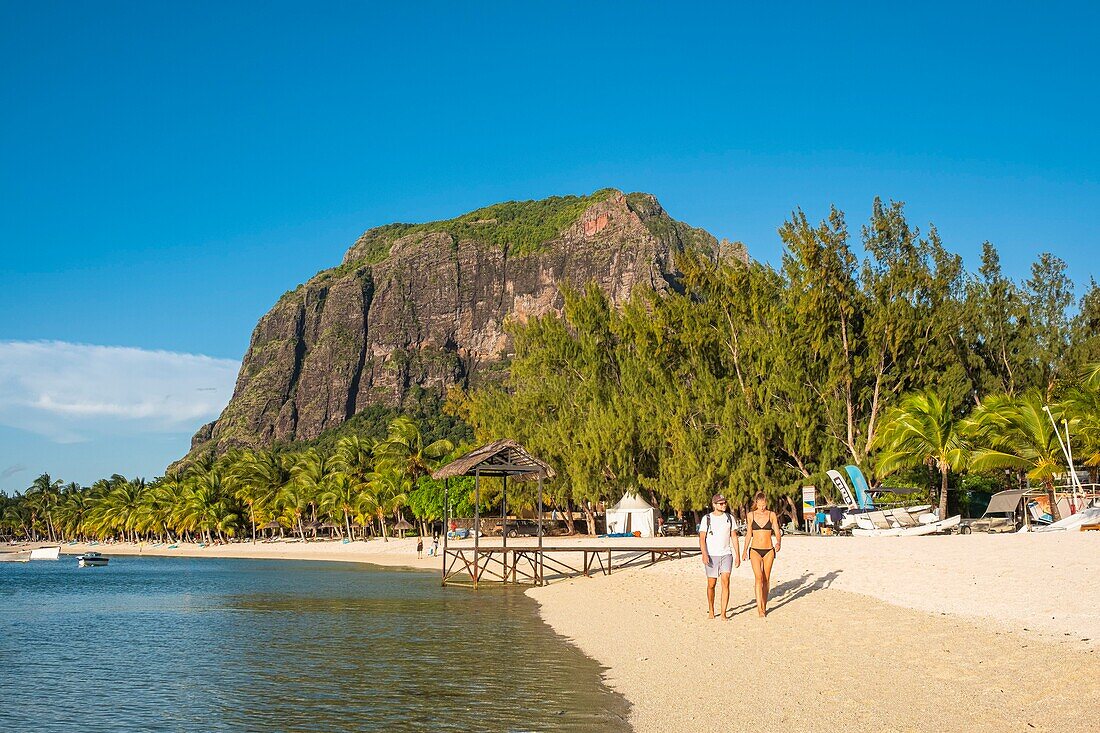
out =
column 39, row 553
column 91, row 560
column 46, row 553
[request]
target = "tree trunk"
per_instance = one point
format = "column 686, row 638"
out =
column 301, row 529
column 943, row 493
column 252, row 515
column 793, row 509
column 347, row 523
column 570, row 525
column 590, row 518
column 1054, row 513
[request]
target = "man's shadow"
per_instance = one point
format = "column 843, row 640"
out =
column 784, row 593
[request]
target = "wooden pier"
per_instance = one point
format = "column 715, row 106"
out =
column 472, row 564
column 535, row 565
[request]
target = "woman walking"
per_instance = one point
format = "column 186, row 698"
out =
column 761, row 527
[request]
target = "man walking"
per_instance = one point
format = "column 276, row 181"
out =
column 721, row 548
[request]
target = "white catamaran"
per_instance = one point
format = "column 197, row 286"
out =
column 864, row 520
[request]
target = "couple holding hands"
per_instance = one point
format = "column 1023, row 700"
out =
column 720, row 544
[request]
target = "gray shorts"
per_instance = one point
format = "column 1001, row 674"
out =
column 719, row 564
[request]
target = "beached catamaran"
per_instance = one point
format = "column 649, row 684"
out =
column 863, row 519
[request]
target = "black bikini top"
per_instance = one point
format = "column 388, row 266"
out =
column 767, row 525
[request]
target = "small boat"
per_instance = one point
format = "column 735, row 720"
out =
column 91, row 560
column 39, row 553
column 46, row 553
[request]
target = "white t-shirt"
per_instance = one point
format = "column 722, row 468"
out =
column 718, row 538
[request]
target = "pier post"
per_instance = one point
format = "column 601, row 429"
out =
column 539, row 563
column 446, row 520
column 504, row 512
column 477, row 524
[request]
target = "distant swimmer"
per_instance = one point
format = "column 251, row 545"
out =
column 762, row 526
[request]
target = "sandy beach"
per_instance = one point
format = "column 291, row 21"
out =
column 971, row 632
column 394, row 553
column 988, row 633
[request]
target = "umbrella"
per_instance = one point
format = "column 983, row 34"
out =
column 270, row 525
column 402, row 525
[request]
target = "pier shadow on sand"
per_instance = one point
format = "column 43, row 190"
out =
column 789, row 591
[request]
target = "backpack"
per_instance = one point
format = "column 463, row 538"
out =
column 729, row 516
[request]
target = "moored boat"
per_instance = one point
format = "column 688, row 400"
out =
column 91, row 560
column 46, row 553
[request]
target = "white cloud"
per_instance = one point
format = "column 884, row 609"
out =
column 74, row 392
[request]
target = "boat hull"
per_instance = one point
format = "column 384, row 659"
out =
column 929, row 528
column 46, row 553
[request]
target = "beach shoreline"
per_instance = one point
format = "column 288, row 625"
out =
column 978, row 632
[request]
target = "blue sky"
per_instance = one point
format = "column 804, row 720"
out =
column 167, row 170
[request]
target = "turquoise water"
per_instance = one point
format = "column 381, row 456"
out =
column 158, row 644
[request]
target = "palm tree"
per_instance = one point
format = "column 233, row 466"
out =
column 1015, row 433
column 16, row 517
column 388, row 491
column 204, row 507
column 313, row 471
column 118, row 510
column 1083, row 404
column 258, row 477
column 339, row 497
column 42, row 498
column 294, row 499
column 354, row 455
column 921, row 430
column 404, row 449
column 158, row 503
column 72, row 509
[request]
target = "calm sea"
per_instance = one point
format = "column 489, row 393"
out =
column 158, row 644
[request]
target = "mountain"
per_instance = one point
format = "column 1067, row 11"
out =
column 418, row 307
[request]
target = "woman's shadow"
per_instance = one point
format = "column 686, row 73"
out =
column 789, row 591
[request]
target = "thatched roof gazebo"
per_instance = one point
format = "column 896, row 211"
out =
column 499, row 458
column 504, row 459
column 402, row 525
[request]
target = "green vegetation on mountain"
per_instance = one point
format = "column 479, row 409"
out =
column 522, row 227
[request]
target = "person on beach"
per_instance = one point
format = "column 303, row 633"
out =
column 721, row 549
column 420, row 546
column 762, row 526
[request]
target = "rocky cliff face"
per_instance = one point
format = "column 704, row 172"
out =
column 425, row 305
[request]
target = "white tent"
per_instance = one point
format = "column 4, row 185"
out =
column 632, row 514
